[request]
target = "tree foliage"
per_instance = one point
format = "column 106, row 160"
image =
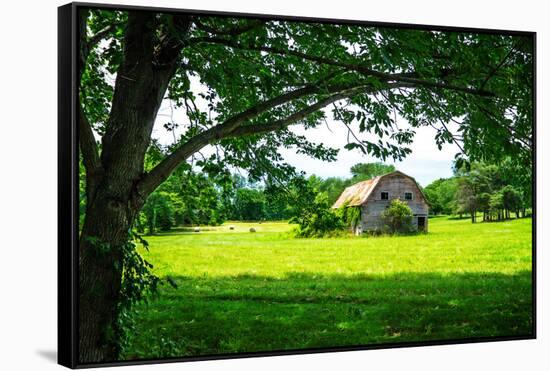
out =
column 249, row 204
column 318, row 219
column 159, row 211
column 490, row 189
column 369, row 170
column 441, row 195
column 368, row 75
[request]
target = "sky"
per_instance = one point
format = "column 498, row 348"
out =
column 426, row 163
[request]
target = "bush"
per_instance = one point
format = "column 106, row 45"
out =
column 398, row 217
column 318, row 219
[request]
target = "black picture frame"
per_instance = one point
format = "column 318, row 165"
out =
column 68, row 187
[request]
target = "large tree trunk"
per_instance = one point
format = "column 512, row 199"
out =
column 100, row 273
column 112, row 201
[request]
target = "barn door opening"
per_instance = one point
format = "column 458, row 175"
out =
column 421, row 223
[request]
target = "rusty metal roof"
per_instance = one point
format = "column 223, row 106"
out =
column 357, row 194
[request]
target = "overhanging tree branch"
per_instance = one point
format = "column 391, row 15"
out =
column 497, row 67
column 388, row 77
column 317, row 87
column 166, row 166
column 233, row 128
column 295, row 117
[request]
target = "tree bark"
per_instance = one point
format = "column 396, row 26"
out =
column 141, row 83
column 104, row 232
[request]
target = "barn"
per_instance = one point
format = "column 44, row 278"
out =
column 374, row 195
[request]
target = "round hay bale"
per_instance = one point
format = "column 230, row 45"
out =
column 231, row 227
column 252, row 229
column 197, row 229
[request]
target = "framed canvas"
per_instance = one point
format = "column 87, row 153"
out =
column 237, row 185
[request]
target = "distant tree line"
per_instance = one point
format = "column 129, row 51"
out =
column 191, row 198
column 495, row 191
column 187, row 197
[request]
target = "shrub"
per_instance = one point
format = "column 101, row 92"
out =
column 398, row 217
column 318, row 219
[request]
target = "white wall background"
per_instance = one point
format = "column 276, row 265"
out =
column 28, row 183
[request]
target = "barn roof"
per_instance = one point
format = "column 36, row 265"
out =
column 358, row 193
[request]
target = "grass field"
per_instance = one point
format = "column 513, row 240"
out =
column 244, row 292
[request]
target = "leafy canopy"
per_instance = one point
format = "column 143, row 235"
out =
column 282, row 73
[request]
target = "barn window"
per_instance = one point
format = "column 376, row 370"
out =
column 408, row 196
column 384, row 195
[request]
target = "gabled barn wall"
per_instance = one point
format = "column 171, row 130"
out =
column 396, row 185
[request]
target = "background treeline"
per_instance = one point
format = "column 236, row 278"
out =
column 189, row 198
column 492, row 192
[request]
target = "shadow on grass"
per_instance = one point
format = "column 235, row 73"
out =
column 247, row 313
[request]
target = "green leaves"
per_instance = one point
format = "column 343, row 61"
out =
column 411, row 78
column 352, row 145
column 138, row 285
column 492, row 190
column 104, row 55
column 100, row 248
column 318, row 219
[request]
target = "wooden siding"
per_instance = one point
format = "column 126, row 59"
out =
column 396, row 185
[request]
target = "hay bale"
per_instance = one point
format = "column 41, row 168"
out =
column 252, row 229
column 197, row 229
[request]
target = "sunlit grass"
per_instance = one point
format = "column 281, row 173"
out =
column 240, row 291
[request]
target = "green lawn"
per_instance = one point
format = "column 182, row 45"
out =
column 241, row 292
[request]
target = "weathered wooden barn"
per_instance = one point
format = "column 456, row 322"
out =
column 374, row 195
